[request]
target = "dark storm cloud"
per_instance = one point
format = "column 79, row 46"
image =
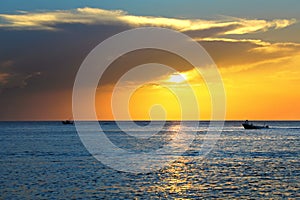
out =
column 41, row 62
column 55, row 55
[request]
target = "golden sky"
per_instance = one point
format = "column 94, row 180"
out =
column 258, row 59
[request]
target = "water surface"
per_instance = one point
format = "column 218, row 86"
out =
column 47, row 160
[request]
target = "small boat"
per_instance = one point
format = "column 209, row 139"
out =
column 68, row 122
column 248, row 125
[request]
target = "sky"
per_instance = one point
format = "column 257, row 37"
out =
column 255, row 45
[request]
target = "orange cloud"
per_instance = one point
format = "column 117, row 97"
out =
column 4, row 78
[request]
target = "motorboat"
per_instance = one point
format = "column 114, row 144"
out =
column 248, row 125
column 68, row 122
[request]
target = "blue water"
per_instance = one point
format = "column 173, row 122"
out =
column 48, row 160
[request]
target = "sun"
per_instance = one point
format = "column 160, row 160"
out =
column 177, row 78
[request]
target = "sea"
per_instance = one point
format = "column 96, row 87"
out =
column 48, row 160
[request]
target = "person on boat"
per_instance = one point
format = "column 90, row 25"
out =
column 247, row 122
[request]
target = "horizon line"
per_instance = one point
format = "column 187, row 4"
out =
column 206, row 120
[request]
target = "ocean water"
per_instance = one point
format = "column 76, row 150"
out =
column 47, row 160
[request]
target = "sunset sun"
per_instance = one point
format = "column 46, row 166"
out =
column 177, row 78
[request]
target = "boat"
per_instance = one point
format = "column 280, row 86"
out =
column 248, row 125
column 68, row 122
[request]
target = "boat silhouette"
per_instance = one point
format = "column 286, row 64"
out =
column 248, row 125
column 68, row 122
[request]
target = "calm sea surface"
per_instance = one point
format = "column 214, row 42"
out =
column 47, row 160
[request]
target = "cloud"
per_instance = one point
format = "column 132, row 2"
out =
column 6, row 63
column 11, row 77
column 9, row 80
column 4, row 78
column 254, row 41
column 258, row 25
column 228, row 52
column 47, row 20
column 286, row 48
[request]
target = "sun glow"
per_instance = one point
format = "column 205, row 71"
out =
column 177, row 78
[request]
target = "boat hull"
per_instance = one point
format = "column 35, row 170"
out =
column 251, row 126
column 68, row 122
